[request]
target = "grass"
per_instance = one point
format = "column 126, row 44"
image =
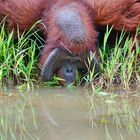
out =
column 18, row 58
column 19, row 61
column 120, row 66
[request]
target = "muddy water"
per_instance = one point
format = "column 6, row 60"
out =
column 62, row 114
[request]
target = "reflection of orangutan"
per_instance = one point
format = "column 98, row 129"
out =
column 71, row 28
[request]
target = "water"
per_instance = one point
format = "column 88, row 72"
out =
column 62, row 114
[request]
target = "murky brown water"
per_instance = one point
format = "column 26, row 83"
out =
column 62, row 114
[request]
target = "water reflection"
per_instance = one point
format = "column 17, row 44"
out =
column 59, row 114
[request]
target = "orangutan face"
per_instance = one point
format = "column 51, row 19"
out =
column 65, row 65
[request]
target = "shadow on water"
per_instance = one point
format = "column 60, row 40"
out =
column 60, row 114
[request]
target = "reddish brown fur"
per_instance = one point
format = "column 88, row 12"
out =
column 119, row 13
column 56, row 38
column 22, row 12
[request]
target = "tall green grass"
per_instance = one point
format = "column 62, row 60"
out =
column 19, row 61
column 18, row 58
column 119, row 65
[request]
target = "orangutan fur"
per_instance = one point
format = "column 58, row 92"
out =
column 71, row 24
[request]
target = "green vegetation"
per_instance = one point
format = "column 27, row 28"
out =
column 18, row 58
column 120, row 66
column 19, row 61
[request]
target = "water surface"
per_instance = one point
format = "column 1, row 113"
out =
column 68, row 114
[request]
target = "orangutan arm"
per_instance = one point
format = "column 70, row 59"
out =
column 117, row 13
column 23, row 13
